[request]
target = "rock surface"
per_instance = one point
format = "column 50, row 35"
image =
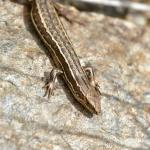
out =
column 120, row 53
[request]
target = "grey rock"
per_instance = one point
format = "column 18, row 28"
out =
column 118, row 50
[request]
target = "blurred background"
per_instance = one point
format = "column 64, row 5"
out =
column 137, row 11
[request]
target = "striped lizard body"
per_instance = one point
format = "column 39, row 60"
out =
column 79, row 80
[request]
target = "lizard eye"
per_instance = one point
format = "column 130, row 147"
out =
column 77, row 94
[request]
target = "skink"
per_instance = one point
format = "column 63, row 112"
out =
column 79, row 80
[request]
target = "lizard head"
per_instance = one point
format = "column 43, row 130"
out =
column 93, row 100
column 90, row 99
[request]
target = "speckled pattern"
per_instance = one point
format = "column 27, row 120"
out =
column 119, row 52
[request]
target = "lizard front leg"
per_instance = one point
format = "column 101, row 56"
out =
column 90, row 74
column 50, row 86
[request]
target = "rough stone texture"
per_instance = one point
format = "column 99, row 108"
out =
column 120, row 53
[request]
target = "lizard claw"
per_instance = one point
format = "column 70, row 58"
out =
column 49, row 89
